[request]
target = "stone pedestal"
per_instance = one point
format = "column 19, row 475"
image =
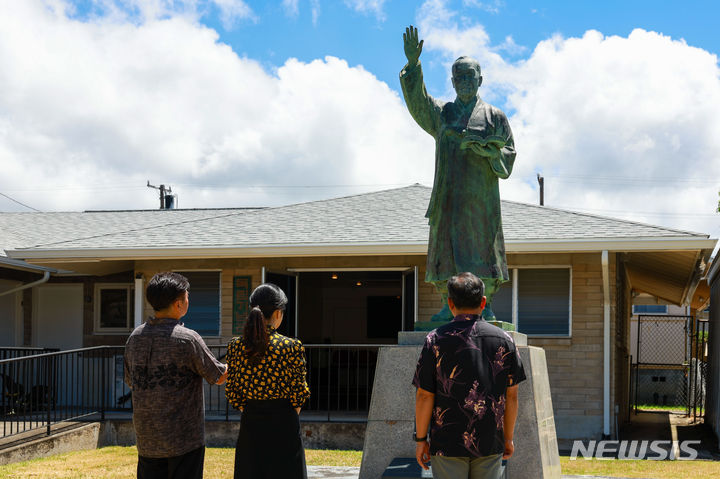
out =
column 536, row 448
column 391, row 420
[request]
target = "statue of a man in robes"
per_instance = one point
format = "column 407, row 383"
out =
column 473, row 148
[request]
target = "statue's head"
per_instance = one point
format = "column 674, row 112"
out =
column 466, row 78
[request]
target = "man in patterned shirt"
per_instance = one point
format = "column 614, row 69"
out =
column 466, row 380
column 165, row 364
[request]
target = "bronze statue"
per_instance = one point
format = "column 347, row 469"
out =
column 473, row 148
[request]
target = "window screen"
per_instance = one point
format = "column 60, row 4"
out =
column 204, row 312
column 544, row 301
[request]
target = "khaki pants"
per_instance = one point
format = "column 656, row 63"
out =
column 487, row 467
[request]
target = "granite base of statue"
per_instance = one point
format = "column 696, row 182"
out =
column 391, row 420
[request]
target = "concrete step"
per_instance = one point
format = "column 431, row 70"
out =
column 64, row 437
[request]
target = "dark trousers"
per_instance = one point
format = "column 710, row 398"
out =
column 187, row 466
column 269, row 444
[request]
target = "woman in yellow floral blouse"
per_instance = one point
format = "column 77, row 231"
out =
column 266, row 381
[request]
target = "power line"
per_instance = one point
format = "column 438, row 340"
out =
column 642, row 181
column 211, row 186
column 641, row 213
column 21, row 204
column 623, row 179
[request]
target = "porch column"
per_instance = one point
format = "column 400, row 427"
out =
column 139, row 303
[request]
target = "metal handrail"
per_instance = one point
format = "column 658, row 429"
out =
column 43, row 389
column 57, row 353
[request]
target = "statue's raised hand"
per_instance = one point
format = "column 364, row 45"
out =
column 413, row 47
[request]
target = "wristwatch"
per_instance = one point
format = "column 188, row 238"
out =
column 419, row 439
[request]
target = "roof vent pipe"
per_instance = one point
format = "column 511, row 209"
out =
column 541, row 182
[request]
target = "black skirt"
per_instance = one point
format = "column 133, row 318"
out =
column 269, row 444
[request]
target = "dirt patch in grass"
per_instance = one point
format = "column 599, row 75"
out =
column 643, row 469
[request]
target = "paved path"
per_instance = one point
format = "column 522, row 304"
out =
column 330, row 472
column 318, row 472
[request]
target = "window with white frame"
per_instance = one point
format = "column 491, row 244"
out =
column 204, row 312
column 650, row 309
column 539, row 303
column 114, row 308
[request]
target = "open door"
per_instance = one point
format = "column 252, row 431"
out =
column 288, row 283
column 410, row 297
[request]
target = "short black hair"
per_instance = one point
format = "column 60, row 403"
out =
column 164, row 288
column 466, row 290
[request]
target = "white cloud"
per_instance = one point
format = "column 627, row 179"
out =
column 142, row 11
column 291, row 7
column 491, row 7
column 232, row 11
column 640, row 107
column 87, row 104
column 619, row 126
column 374, row 7
column 315, row 10
column 447, row 34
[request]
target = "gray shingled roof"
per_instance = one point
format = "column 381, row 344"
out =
column 385, row 217
column 26, row 230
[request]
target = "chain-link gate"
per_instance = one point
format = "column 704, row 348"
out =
column 698, row 368
column 661, row 375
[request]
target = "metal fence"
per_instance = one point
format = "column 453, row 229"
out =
column 42, row 389
column 18, row 352
column 668, row 371
column 660, row 372
column 340, row 379
column 698, row 368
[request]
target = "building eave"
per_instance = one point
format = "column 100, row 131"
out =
column 359, row 249
column 24, row 266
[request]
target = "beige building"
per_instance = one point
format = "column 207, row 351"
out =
column 353, row 268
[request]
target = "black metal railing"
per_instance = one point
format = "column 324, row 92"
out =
column 341, row 379
column 40, row 390
column 9, row 352
column 45, row 388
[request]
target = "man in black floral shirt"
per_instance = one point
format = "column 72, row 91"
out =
column 466, row 380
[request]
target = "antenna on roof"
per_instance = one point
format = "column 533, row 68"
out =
column 541, row 182
column 167, row 201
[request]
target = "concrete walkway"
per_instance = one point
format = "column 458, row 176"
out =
column 329, row 472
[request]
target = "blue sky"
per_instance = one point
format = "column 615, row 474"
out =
column 372, row 38
column 240, row 103
column 375, row 40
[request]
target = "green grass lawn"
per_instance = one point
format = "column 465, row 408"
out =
column 119, row 462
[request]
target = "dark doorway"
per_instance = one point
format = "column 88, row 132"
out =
column 287, row 283
column 350, row 307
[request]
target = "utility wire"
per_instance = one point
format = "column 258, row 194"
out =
column 21, row 204
column 639, row 213
column 560, row 178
